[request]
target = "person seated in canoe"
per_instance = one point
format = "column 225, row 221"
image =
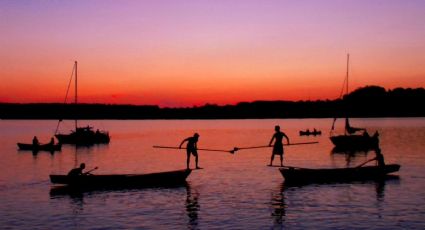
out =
column 35, row 141
column 78, row 171
column 191, row 148
column 278, row 145
column 366, row 134
column 52, row 141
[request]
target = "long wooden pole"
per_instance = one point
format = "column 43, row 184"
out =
column 269, row 146
column 213, row 150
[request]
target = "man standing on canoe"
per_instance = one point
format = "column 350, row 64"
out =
column 278, row 145
column 191, row 148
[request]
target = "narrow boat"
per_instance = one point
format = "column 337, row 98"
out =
column 308, row 133
column 297, row 175
column 81, row 135
column 123, row 180
column 42, row 147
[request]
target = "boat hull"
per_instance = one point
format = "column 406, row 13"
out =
column 354, row 142
column 43, row 147
column 303, row 175
column 123, row 180
column 308, row 133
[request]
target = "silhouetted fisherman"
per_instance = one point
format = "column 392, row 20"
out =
column 35, row 141
column 278, row 145
column 77, row 171
column 379, row 158
column 191, row 148
column 52, row 141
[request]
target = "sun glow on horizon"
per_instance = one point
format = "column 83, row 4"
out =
column 221, row 52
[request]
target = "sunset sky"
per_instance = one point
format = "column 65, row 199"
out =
column 185, row 53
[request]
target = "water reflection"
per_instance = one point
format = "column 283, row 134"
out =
column 349, row 155
column 76, row 198
column 278, row 206
column 192, row 206
column 36, row 153
column 380, row 185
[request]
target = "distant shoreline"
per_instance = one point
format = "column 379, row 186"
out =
column 366, row 102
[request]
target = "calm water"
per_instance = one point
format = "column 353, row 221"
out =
column 232, row 192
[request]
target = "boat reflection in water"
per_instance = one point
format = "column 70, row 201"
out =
column 289, row 200
column 278, row 207
column 349, row 155
column 192, row 206
column 78, row 199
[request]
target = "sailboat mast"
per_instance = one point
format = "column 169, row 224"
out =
column 76, row 96
column 346, row 75
column 346, row 90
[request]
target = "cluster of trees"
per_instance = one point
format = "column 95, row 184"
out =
column 369, row 101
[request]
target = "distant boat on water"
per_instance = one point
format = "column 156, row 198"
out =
column 352, row 139
column 40, row 147
column 81, row 135
column 308, row 132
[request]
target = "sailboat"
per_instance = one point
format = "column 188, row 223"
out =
column 81, row 135
column 353, row 138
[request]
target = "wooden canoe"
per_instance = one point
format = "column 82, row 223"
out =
column 305, row 175
column 123, row 180
column 42, row 147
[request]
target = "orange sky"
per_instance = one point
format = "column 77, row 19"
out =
column 161, row 52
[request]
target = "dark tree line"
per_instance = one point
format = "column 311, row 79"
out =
column 369, row 101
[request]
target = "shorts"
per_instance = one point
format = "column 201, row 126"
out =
column 193, row 151
column 278, row 150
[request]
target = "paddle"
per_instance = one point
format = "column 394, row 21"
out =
column 360, row 165
column 212, row 150
column 268, row 146
column 88, row 172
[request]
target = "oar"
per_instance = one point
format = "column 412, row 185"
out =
column 88, row 172
column 212, row 150
column 268, row 146
column 360, row 165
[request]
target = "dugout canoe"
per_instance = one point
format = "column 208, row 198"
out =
column 123, row 180
column 42, row 147
column 306, row 175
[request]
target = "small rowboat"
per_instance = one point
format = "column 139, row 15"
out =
column 42, row 147
column 304, row 175
column 123, row 180
column 308, row 133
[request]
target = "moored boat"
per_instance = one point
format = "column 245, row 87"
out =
column 123, row 180
column 355, row 142
column 353, row 138
column 41, row 147
column 297, row 175
column 84, row 136
column 81, row 135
